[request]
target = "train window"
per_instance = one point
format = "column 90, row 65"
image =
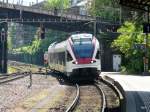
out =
column 76, row 41
column 98, row 55
column 69, row 57
column 86, row 40
column 82, row 41
column 61, row 58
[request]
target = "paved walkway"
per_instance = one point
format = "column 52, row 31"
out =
column 137, row 90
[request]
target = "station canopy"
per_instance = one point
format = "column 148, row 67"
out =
column 137, row 4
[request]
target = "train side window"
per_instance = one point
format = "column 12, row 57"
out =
column 63, row 58
column 98, row 55
column 69, row 57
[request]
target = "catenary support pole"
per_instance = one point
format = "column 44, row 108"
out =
column 147, row 57
column 3, row 47
column 95, row 23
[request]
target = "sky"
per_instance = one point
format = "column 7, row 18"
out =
column 25, row 2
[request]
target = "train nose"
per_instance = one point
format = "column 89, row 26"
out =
column 84, row 61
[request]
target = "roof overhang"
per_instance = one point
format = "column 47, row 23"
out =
column 137, row 4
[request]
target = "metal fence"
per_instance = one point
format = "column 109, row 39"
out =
column 37, row 58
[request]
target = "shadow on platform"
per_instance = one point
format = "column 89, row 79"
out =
column 137, row 101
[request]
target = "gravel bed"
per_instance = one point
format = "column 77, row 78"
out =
column 112, row 99
column 90, row 99
column 49, row 94
column 45, row 94
column 65, row 101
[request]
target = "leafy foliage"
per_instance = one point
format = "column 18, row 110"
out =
column 104, row 9
column 131, row 33
column 30, row 49
column 58, row 4
column 39, row 44
column 33, row 53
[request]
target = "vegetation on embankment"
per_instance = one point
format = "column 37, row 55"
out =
column 56, row 4
column 131, row 35
column 105, row 9
column 32, row 52
column 11, row 70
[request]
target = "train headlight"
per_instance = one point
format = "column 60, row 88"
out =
column 75, row 62
column 93, row 61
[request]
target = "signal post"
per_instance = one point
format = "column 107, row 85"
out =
column 3, row 47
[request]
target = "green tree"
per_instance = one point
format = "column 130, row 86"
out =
column 105, row 9
column 131, row 34
column 58, row 4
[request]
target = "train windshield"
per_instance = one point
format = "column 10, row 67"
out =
column 82, row 45
column 83, row 50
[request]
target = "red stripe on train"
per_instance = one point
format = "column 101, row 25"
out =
column 84, row 60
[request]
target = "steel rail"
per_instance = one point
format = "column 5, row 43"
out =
column 75, row 101
column 13, row 77
column 4, row 77
column 9, row 75
column 103, row 96
column 114, row 87
column 1, row 76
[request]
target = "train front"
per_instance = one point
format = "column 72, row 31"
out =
column 83, row 57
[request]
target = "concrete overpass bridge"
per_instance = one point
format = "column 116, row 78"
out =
column 51, row 19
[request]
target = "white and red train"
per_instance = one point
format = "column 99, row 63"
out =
column 77, row 57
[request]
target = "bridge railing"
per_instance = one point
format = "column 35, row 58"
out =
column 63, row 14
column 60, row 13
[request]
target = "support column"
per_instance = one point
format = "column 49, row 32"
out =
column 95, row 20
column 146, row 42
column 95, row 27
column 3, row 47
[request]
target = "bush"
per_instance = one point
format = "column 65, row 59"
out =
column 133, row 58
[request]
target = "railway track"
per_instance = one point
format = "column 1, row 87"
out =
column 22, row 70
column 79, row 98
column 12, row 77
column 107, row 100
column 75, row 101
column 20, row 73
column 103, row 97
column 19, row 66
column 111, row 96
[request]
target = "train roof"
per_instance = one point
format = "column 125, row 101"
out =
column 57, row 47
column 82, row 35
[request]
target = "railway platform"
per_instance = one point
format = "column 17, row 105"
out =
column 136, row 89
